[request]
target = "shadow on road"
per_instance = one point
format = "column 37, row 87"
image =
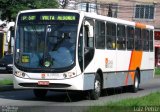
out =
column 81, row 96
column 118, row 90
column 27, row 95
column 63, row 97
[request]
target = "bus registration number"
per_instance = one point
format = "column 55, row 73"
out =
column 43, row 83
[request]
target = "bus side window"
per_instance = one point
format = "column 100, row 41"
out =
column 121, row 37
column 151, row 40
column 130, row 38
column 138, row 39
column 145, row 44
column 111, row 35
column 100, row 34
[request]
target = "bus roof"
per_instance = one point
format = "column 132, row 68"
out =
column 116, row 20
column 95, row 16
column 57, row 10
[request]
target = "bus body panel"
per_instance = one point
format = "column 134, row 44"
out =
column 147, row 61
column 123, row 60
column 116, row 79
column 105, row 60
column 117, row 71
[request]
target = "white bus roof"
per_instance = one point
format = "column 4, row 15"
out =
column 91, row 15
column 114, row 20
column 58, row 10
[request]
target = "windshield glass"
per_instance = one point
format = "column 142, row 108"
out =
column 45, row 44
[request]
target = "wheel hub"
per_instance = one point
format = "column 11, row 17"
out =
column 97, row 86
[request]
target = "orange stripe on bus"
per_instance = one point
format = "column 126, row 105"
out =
column 140, row 25
column 135, row 61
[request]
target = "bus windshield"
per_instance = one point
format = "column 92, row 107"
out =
column 46, row 40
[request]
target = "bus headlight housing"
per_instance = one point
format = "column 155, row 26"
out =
column 21, row 74
column 69, row 74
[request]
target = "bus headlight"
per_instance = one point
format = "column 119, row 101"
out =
column 69, row 75
column 21, row 74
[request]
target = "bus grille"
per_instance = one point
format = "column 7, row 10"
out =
column 51, row 85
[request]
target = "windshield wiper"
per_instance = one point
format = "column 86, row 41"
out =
column 48, row 29
column 46, row 58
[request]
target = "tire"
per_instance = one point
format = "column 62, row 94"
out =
column 40, row 93
column 135, row 86
column 96, row 92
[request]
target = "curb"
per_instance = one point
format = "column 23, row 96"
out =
column 156, row 76
column 6, row 88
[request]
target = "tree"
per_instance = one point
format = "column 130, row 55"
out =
column 63, row 3
column 10, row 8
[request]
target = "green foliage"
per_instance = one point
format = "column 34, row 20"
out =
column 46, row 4
column 6, row 82
column 141, row 104
column 149, row 100
column 157, row 71
column 10, row 8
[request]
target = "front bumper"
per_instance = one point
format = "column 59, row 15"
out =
column 75, row 83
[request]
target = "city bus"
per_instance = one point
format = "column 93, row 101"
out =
column 66, row 50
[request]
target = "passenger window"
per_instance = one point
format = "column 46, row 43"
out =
column 151, row 41
column 100, row 35
column 111, row 35
column 121, row 37
column 138, row 39
column 130, row 38
column 145, row 34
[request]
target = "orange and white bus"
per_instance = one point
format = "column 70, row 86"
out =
column 57, row 49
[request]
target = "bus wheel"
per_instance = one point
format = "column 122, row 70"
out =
column 95, row 93
column 40, row 93
column 135, row 86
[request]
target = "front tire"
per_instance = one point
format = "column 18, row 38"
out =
column 40, row 93
column 95, row 93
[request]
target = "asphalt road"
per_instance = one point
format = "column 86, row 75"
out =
column 64, row 101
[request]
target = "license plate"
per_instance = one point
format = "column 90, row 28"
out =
column 2, row 68
column 43, row 83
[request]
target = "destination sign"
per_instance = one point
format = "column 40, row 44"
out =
column 47, row 17
column 59, row 18
column 28, row 18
